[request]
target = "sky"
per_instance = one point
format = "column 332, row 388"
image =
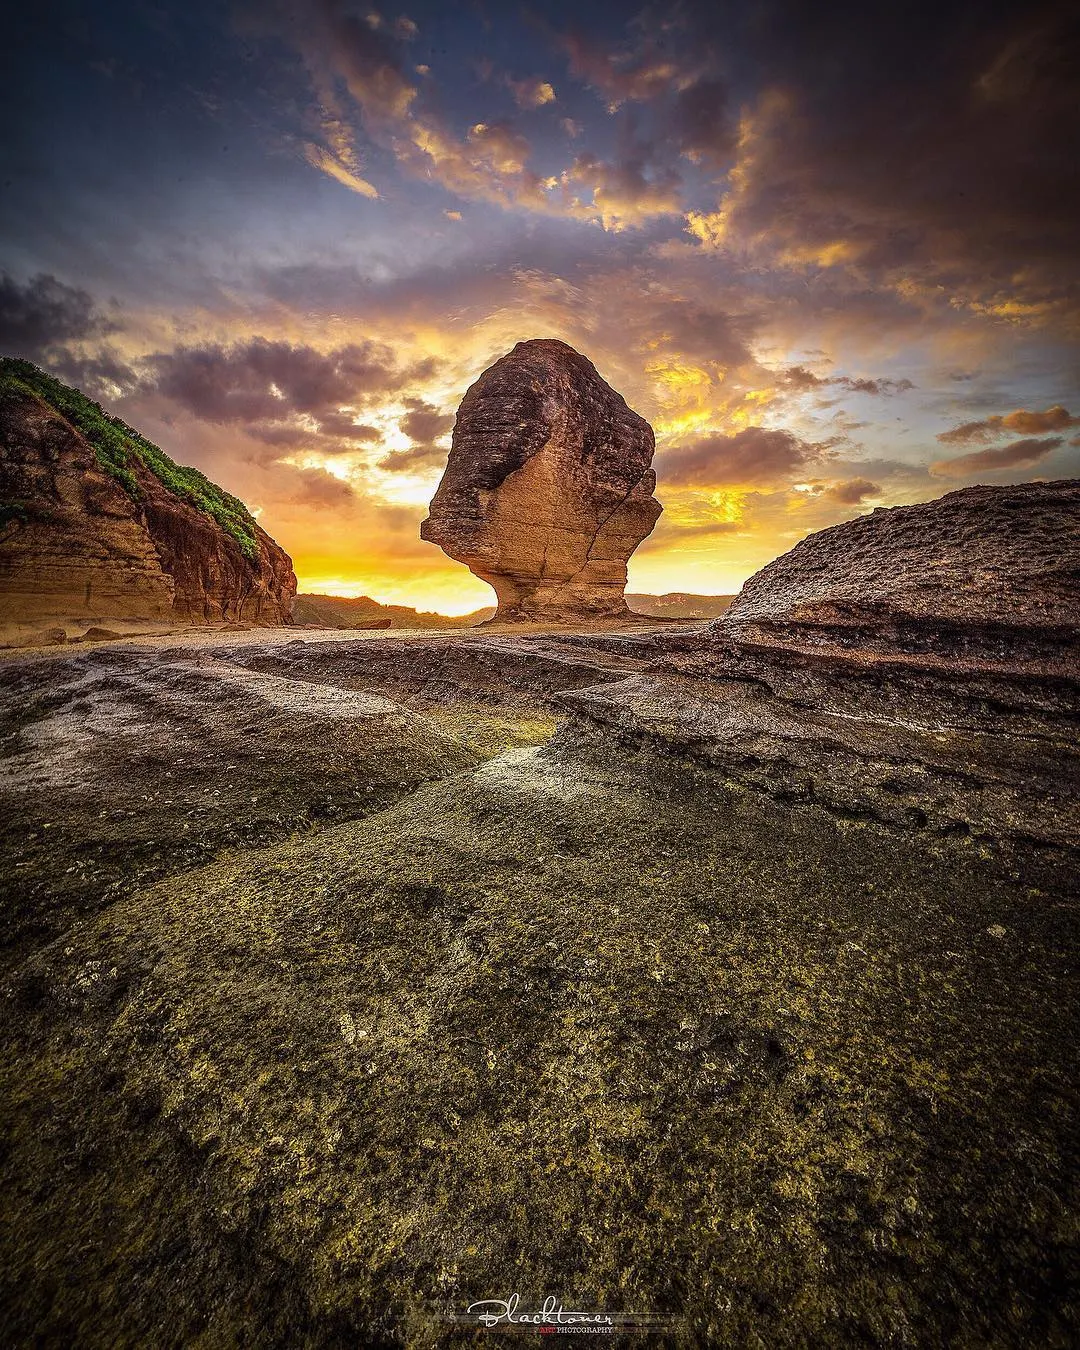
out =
column 829, row 251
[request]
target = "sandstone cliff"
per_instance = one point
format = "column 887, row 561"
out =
column 97, row 522
column 548, row 488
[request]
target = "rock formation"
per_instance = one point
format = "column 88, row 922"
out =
column 310, row 1037
column 96, row 522
column 768, row 1011
column 548, row 488
column 917, row 666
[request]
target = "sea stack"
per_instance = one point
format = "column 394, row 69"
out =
column 548, row 488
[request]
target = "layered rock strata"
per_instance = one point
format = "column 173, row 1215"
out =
column 86, row 537
column 917, row 665
column 548, row 488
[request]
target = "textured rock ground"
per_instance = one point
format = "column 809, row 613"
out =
column 85, row 537
column 919, row 665
column 545, row 1014
column 746, row 995
column 548, row 488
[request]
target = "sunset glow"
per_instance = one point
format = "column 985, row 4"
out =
column 337, row 220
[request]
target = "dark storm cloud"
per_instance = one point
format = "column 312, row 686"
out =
column 1020, row 454
column 45, row 313
column 756, row 456
column 264, row 381
column 917, row 144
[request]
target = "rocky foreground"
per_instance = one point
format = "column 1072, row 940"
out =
column 727, row 973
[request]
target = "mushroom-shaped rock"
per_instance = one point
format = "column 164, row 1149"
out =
column 548, row 488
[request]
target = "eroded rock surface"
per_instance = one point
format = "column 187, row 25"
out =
column 548, row 488
column 606, row 1021
column 77, row 542
column 918, row 666
column 749, row 998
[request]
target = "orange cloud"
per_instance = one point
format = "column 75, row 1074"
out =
column 531, row 93
column 322, row 159
column 1017, row 455
column 489, row 164
column 1056, row 418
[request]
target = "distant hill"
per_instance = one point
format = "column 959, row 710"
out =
column 679, row 605
column 337, row 611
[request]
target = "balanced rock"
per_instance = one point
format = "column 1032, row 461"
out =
column 96, row 522
column 548, row 488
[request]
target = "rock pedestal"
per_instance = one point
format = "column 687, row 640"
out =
column 548, row 488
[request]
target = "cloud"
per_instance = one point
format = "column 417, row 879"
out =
column 423, row 422
column 701, row 125
column 1020, row 454
column 947, row 177
column 416, row 457
column 625, row 192
column 284, row 395
column 45, row 313
column 317, row 488
column 1056, row 418
column 367, row 57
column 491, row 161
column 875, row 387
column 531, row 93
column 498, row 146
column 853, row 491
column 800, row 380
column 322, row 159
column 754, row 457
column 637, row 74
column 670, row 77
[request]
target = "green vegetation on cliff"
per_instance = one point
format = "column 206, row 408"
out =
column 119, row 446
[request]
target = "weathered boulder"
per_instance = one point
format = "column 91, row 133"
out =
column 981, row 573
column 548, row 488
column 98, row 523
column 918, row 666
